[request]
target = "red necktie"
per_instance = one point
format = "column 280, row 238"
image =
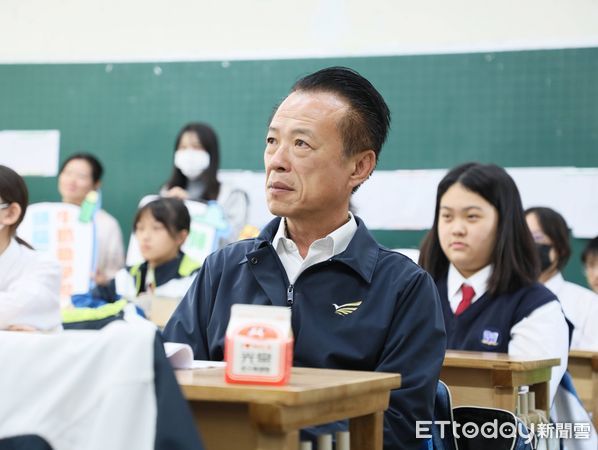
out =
column 467, row 293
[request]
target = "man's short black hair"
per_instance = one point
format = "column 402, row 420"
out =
column 366, row 125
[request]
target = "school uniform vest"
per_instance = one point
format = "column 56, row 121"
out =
column 486, row 324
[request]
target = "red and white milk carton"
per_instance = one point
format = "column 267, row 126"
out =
column 258, row 347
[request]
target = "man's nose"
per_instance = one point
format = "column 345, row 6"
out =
column 278, row 160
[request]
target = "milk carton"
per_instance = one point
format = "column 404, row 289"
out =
column 258, row 347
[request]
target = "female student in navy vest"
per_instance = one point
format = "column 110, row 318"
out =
column 551, row 233
column 484, row 261
column 29, row 282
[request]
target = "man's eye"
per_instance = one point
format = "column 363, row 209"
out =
column 270, row 140
column 301, row 143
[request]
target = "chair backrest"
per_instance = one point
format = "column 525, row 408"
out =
column 490, row 429
column 442, row 428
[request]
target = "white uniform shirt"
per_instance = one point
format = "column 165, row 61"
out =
column 581, row 308
column 319, row 251
column 29, row 289
column 542, row 334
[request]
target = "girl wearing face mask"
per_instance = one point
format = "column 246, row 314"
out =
column 29, row 282
column 482, row 257
column 551, row 234
column 81, row 173
column 194, row 175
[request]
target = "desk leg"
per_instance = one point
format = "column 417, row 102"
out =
column 363, row 428
column 542, row 396
column 278, row 441
column 594, row 402
column 505, row 398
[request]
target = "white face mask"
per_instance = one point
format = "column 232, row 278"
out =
column 191, row 162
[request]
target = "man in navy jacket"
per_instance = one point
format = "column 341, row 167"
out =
column 355, row 305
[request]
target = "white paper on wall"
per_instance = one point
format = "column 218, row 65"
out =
column 405, row 199
column 30, row 152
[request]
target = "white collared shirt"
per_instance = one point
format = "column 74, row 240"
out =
column 478, row 281
column 581, row 308
column 542, row 334
column 29, row 289
column 320, row 250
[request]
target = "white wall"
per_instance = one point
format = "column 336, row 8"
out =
column 166, row 30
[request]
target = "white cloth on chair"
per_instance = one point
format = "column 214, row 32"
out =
column 80, row 390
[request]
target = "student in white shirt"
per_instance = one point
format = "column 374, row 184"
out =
column 483, row 259
column 81, row 173
column 580, row 305
column 29, row 282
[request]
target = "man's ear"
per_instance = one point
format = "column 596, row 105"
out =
column 12, row 214
column 363, row 164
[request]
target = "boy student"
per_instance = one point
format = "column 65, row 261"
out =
column 323, row 142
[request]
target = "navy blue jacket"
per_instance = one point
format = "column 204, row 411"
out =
column 397, row 328
column 486, row 325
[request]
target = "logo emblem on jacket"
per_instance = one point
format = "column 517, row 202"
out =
column 346, row 309
column 490, row 337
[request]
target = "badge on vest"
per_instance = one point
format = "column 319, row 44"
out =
column 346, row 309
column 490, row 338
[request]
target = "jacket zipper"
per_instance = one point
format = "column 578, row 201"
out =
column 290, row 295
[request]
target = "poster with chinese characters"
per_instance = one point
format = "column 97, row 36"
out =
column 55, row 229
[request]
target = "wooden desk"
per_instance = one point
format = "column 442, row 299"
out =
column 493, row 379
column 583, row 367
column 236, row 416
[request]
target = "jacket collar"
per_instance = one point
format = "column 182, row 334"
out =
column 361, row 255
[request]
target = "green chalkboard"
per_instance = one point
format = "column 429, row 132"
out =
column 531, row 108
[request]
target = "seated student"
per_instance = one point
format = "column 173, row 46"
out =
column 161, row 227
column 580, row 305
column 316, row 256
column 484, row 261
column 79, row 174
column 195, row 175
column 29, row 282
column 589, row 258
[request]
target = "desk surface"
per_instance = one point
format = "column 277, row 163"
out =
column 306, row 386
column 500, row 361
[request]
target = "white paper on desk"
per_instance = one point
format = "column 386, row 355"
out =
column 181, row 357
column 30, row 152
